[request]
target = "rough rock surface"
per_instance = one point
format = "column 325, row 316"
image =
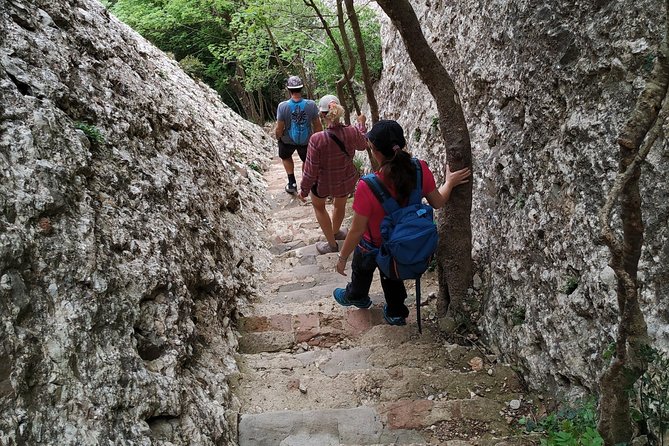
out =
column 129, row 207
column 546, row 86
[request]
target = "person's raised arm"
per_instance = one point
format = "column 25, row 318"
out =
column 360, row 136
column 439, row 196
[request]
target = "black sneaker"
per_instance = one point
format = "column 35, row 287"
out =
column 291, row 188
column 393, row 320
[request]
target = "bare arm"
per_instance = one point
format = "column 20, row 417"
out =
column 438, row 197
column 358, row 226
column 280, row 127
column 316, row 125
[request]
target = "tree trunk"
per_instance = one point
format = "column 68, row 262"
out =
column 366, row 78
column 242, row 95
column 455, row 236
column 335, row 45
column 632, row 341
column 362, row 56
column 275, row 51
column 350, row 72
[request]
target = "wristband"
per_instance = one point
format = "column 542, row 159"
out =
column 342, row 258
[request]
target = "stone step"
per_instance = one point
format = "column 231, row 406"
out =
column 402, row 422
column 335, row 427
column 327, row 324
column 364, row 375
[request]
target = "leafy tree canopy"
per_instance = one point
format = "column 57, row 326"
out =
column 245, row 49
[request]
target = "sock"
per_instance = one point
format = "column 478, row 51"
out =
column 291, row 178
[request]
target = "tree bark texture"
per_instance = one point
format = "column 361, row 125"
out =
column 362, row 56
column 366, row 78
column 455, row 236
column 244, row 97
column 632, row 341
column 348, row 75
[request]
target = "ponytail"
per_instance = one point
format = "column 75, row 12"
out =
column 335, row 113
column 400, row 171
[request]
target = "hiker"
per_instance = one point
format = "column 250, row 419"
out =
column 398, row 175
column 329, row 170
column 296, row 120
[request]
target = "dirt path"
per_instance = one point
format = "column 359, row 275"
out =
column 315, row 373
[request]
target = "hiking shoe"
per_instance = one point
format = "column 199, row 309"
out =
column 393, row 320
column 340, row 296
column 341, row 234
column 291, row 188
column 325, row 248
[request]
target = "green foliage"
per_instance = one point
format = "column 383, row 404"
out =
column 610, row 351
column 327, row 69
column 648, row 62
column 570, row 285
column 187, row 29
column 91, row 132
column 252, row 44
column 358, row 162
column 652, row 391
column 417, row 134
column 193, row 66
column 254, row 166
column 435, row 123
column 433, row 265
column 570, row 426
column 518, row 316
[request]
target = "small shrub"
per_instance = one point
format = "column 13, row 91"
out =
column 417, row 135
column 571, row 285
column 648, row 62
column 358, row 163
column 610, row 351
column 518, row 316
column 192, row 66
column 570, row 426
column 652, row 393
column 91, row 132
column 254, row 166
column 435, row 123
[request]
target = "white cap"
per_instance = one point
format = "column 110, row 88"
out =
column 324, row 103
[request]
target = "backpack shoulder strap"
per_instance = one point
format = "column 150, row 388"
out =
column 339, row 143
column 416, row 195
column 381, row 193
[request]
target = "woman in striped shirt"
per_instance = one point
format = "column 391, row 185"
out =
column 329, row 170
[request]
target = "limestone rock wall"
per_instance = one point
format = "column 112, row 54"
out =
column 129, row 205
column 545, row 87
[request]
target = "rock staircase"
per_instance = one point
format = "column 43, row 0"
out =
column 315, row 373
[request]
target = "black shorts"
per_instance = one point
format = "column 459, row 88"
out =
column 286, row 151
column 314, row 188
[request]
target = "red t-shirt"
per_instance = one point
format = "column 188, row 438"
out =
column 365, row 203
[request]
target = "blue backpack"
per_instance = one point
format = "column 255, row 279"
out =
column 409, row 235
column 299, row 124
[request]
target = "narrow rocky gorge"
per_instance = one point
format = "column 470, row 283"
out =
column 158, row 287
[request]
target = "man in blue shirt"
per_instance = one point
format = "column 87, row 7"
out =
column 297, row 119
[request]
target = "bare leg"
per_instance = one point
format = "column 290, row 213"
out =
column 338, row 213
column 323, row 218
column 289, row 165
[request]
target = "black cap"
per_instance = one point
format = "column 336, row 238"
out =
column 387, row 134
